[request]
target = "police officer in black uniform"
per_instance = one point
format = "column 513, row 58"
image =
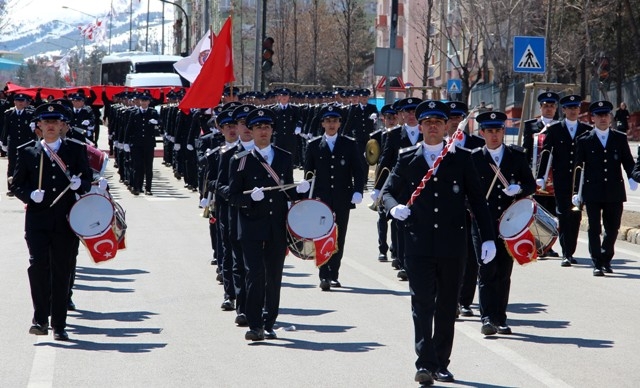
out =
column 288, row 124
column 262, row 221
column 495, row 276
column 339, row 182
column 561, row 141
column 44, row 170
column 434, row 234
column 83, row 121
column 603, row 152
column 360, row 122
column 18, row 130
column 141, row 130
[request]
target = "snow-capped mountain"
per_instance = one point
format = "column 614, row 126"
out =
column 46, row 27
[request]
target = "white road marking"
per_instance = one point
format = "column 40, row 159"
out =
column 44, row 361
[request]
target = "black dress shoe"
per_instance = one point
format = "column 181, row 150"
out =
column 552, row 253
column 402, row 274
column 148, row 192
column 382, row 258
column 443, row 375
column 219, row 278
column 214, row 261
column 270, row 334
column 466, row 311
column 607, row 269
column 254, row 335
column 60, row 335
column 566, row 262
column 488, row 328
column 228, row 305
column 423, row 377
column 325, row 285
column 39, row 329
column 135, row 192
column 598, row 272
column 71, row 306
column 241, row 320
column 504, row 329
column 395, row 263
column 572, row 260
column 335, row 283
column 10, row 194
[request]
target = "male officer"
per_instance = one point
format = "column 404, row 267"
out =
column 141, row 139
column 48, row 175
column 603, row 153
column 532, row 140
column 18, row 130
column 83, row 121
column 339, row 182
column 262, row 221
column 361, row 122
column 458, row 112
column 427, row 192
column 406, row 135
column 561, row 141
column 288, row 124
column 495, row 276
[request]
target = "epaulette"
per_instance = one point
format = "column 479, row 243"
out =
column 75, row 141
column 225, row 149
column 393, row 128
column 377, row 131
column 476, row 150
column 281, row 149
column 465, row 149
column 213, row 151
column 25, row 144
column 315, row 138
column 517, row 148
column 242, row 154
column 619, row 132
column 349, row 137
column 408, row 149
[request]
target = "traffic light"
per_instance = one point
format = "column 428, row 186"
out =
column 267, row 54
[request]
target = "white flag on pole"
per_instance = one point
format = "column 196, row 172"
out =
column 189, row 67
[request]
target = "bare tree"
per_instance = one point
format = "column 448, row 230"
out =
column 421, row 23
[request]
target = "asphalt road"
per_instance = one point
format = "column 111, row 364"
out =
column 151, row 317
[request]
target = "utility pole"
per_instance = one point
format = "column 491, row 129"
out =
column 259, row 35
column 393, row 33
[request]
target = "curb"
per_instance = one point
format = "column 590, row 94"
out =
column 625, row 233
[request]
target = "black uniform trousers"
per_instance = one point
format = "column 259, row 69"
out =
column 331, row 270
column 264, row 261
column 383, row 232
column 611, row 215
column 142, row 158
column 494, row 286
column 50, row 264
column 433, row 291
column 469, row 280
column 225, row 259
column 238, row 267
column 568, row 224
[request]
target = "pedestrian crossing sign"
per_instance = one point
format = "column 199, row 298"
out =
column 529, row 54
column 454, row 86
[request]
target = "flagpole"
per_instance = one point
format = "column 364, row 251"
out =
column 130, row 22
column 146, row 39
column 110, row 25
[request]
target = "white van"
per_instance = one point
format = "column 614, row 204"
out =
column 137, row 80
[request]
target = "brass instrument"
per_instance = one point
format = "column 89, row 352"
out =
column 313, row 181
column 372, row 152
column 580, row 185
column 376, row 204
column 547, row 172
column 211, row 205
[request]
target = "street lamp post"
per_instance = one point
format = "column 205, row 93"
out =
column 187, row 27
column 84, row 40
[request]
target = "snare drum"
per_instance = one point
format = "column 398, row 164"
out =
column 99, row 223
column 98, row 160
column 311, row 231
column 528, row 230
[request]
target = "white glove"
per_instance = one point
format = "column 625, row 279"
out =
column 373, row 117
column 74, row 183
column 189, row 147
column 457, row 141
column 512, row 190
column 5, row 148
column 633, row 185
column 127, row 148
column 400, row 212
column 303, row 187
column 37, row 196
column 540, row 182
column 298, row 130
column 32, row 125
column 116, row 144
column 176, row 147
column 356, row 199
column 374, row 195
column 153, row 121
column 575, row 200
column 488, row 251
column 204, row 202
column 102, row 183
column 85, row 122
column 257, row 194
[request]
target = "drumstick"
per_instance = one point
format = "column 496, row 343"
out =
column 503, row 180
column 62, row 193
column 40, row 173
column 493, row 182
column 278, row 187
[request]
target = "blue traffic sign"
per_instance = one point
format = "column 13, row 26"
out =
column 529, row 54
column 454, row 86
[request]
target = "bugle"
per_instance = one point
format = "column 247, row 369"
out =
column 376, row 204
column 580, row 185
column 547, row 172
column 206, row 212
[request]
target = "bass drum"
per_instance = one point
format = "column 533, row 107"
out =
column 311, row 231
